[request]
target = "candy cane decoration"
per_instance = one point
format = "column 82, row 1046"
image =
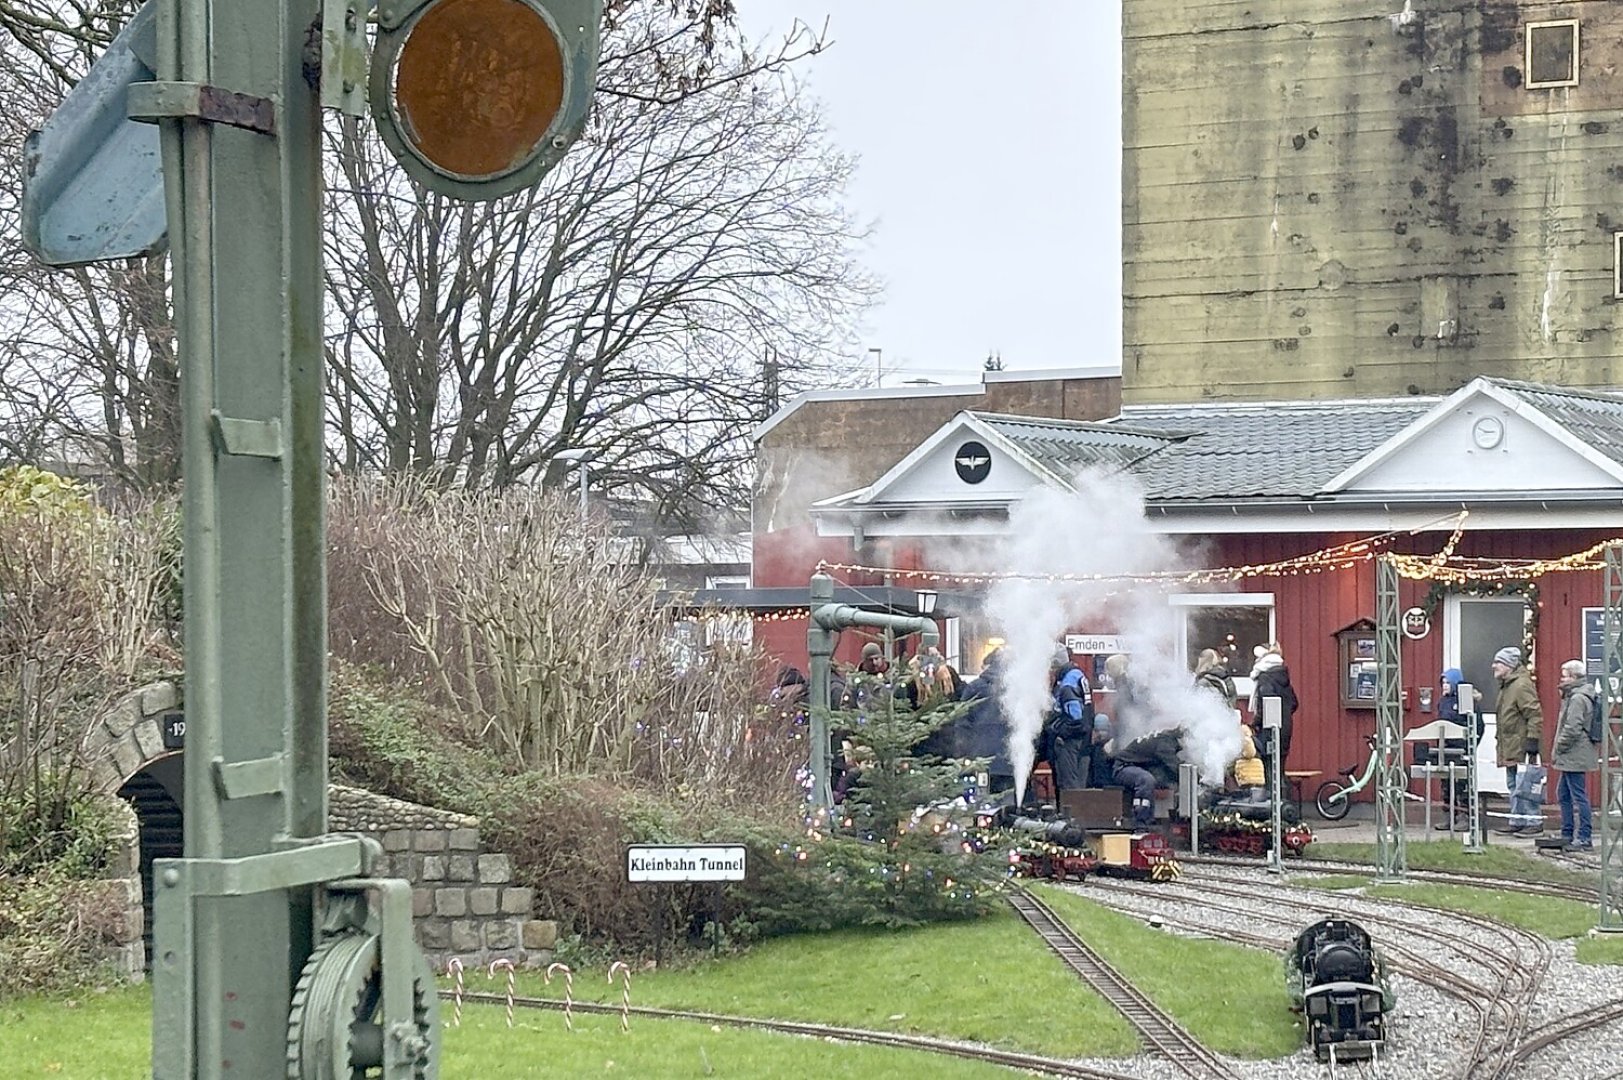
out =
column 569, row 993
column 625, row 991
column 508, row 964
column 454, row 969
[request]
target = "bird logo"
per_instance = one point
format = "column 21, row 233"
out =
column 973, row 462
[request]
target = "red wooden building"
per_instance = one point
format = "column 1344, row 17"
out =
column 1536, row 470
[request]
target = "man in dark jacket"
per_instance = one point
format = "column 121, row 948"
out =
column 986, row 733
column 1069, row 729
column 1140, row 763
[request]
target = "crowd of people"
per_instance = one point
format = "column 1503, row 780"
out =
column 1079, row 744
column 1077, row 740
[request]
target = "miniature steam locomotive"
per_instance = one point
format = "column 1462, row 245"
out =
column 1337, row 981
column 1059, row 849
column 1237, row 826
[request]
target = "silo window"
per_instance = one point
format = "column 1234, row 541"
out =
column 1617, row 265
column 1552, row 54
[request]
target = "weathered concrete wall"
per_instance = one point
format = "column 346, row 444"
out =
column 1322, row 201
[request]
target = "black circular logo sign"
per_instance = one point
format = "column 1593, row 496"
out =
column 973, row 462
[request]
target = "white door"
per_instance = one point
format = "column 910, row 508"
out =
column 1474, row 628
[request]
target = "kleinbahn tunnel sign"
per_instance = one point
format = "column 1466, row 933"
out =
column 669, row 862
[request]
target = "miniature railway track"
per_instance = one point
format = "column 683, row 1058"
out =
column 1508, row 1001
column 1501, row 1007
column 1161, row 1034
column 1031, row 1063
column 1565, row 1027
column 1581, row 893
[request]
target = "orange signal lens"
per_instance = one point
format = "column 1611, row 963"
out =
column 478, row 84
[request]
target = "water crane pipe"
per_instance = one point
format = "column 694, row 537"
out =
column 827, row 619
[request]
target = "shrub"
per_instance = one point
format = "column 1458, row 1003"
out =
column 55, row 929
column 552, row 637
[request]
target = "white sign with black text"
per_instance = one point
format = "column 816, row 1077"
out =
column 1093, row 644
column 671, row 862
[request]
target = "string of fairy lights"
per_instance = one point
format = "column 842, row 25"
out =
column 1445, row 566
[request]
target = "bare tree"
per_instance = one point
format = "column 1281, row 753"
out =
column 623, row 306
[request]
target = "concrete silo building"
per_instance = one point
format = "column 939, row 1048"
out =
column 1369, row 198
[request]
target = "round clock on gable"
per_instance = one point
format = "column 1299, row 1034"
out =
column 1488, row 432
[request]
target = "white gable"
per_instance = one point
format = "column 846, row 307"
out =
column 939, row 475
column 1481, row 440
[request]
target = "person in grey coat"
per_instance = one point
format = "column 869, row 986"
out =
column 1574, row 756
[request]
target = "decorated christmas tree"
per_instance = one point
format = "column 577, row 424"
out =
column 901, row 832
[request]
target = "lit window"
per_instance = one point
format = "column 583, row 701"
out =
column 1552, row 54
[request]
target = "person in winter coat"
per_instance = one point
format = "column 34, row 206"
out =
column 1520, row 733
column 1520, row 730
column 1069, row 729
column 1212, row 673
column 1271, row 678
column 1573, row 756
column 1448, row 708
column 1139, row 764
column 1248, row 766
column 986, row 732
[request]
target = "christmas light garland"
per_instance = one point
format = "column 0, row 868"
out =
column 1445, row 567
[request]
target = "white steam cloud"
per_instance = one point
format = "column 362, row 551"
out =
column 1100, row 530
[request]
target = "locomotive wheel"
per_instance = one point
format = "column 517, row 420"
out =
column 335, row 1028
column 1332, row 800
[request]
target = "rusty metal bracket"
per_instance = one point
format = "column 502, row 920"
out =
column 150, row 102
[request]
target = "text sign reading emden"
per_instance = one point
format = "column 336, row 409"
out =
column 666, row 862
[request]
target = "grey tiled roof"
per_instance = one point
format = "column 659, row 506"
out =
column 1252, row 450
column 1065, row 446
column 1596, row 418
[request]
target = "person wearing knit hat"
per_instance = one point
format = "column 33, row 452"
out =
column 1069, row 727
column 1450, row 708
column 1519, row 732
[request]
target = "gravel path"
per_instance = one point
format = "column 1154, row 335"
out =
column 1434, row 1031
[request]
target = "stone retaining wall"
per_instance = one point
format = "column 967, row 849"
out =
column 118, row 897
column 464, row 902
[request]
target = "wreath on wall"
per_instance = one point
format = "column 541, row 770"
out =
column 1527, row 590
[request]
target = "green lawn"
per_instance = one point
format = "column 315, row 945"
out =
column 991, row 981
column 107, row 1037
column 1549, row 916
column 1601, row 950
column 975, row 980
column 485, row 1047
column 1499, row 860
column 1229, row 997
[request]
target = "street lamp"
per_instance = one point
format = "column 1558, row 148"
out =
column 578, row 456
column 924, row 601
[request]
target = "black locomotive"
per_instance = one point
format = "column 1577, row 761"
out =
column 1337, row 980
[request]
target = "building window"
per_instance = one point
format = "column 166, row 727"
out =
column 1617, row 265
column 1232, row 623
column 727, row 581
column 1552, row 54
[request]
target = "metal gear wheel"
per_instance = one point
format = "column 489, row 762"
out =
column 335, row 1027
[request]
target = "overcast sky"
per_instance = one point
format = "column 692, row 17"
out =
column 991, row 165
